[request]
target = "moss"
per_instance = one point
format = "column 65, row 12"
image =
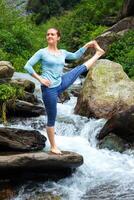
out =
column 45, row 195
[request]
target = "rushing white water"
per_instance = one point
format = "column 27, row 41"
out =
column 104, row 175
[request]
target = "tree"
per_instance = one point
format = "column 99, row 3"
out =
column 127, row 9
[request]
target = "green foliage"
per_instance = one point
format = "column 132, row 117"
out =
column 18, row 41
column 20, row 38
column 84, row 22
column 9, row 92
column 122, row 51
column 44, row 10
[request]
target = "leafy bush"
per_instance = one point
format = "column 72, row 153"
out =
column 8, row 92
column 122, row 51
column 18, row 37
column 84, row 22
column 44, row 10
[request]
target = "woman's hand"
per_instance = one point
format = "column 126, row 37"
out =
column 91, row 44
column 45, row 82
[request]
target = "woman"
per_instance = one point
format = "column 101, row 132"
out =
column 53, row 83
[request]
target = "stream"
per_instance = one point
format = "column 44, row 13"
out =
column 105, row 174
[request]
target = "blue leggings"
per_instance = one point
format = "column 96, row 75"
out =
column 50, row 95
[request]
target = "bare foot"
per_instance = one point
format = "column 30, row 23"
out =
column 55, row 151
column 99, row 50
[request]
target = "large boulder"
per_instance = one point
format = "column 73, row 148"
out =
column 121, row 124
column 106, row 91
column 39, row 164
column 12, row 139
column 6, row 71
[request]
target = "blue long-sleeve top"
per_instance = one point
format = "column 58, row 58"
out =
column 52, row 65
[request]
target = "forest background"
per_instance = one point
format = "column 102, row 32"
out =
column 23, row 28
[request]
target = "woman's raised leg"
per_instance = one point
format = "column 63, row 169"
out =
column 69, row 77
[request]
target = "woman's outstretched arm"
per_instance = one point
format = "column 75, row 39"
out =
column 76, row 55
column 80, row 52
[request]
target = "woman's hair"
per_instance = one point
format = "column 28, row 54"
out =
column 58, row 31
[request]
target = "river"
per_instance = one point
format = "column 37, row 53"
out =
column 105, row 175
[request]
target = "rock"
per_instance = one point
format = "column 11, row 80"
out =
column 29, row 97
column 12, row 139
column 39, row 164
column 112, row 142
column 75, row 90
column 6, row 71
column 24, row 109
column 44, row 196
column 121, row 124
column 6, row 191
column 28, row 85
column 126, row 23
column 106, row 39
column 106, row 91
column 64, row 96
column 112, row 34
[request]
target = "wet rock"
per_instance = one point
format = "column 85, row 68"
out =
column 12, row 139
column 21, row 108
column 107, row 90
column 75, row 90
column 64, row 96
column 112, row 142
column 28, row 85
column 121, row 124
column 6, row 71
column 6, row 191
column 44, row 165
column 29, row 97
column 44, row 196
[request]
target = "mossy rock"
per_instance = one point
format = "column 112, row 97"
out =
column 44, row 196
column 112, row 142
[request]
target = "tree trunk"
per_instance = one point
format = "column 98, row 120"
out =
column 127, row 9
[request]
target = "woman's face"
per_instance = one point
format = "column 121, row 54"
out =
column 52, row 37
